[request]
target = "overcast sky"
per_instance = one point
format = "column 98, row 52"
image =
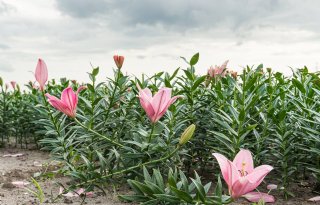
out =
column 71, row 34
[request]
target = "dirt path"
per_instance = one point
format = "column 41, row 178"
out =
column 22, row 168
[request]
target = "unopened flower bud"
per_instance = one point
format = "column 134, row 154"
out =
column 187, row 134
column 269, row 70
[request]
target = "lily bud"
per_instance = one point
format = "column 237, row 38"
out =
column 234, row 74
column 187, row 134
column 118, row 60
column 1, row 82
column 13, row 84
column 41, row 73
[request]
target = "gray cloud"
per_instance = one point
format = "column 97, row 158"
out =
column 5, row 8
column 6, row 67
column 72, row 33
column 82, row 8
column 184, row 15
column 4, row 46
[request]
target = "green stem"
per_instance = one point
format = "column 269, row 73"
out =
column 151, row 132
column 128, row 169
column 96, row 133
column 113, row 94
column 133, row 167
column 50, row 114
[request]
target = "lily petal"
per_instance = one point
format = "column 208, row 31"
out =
column 272, row 186
column 258, row 174
column 41, row 73
column 257, row 196
column 243, row 160
column 69, row 98
column 314, row 199
column 241, row 187
column 228, row 170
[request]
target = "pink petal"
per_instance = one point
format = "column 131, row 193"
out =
column 77, row 193
column 145, row 97
column 211, row 72
column 272, row 186
column 159, row 102
column 81, row 88
column 257, row 196
column 59, row 105
column 166, row 99
column 13, row 155
column 118, row 60
column 145, row 93
column 20, row 184
column 244, row 160
column 13, row 84
column 80, row 191
column 241, row 187
column 314, row 199
column 250, row 182
column 89, row 194
column 146, row 105
column 70, row 194
column 224, row 65
column 228, row 170
column 164, row 110
column 61, row 189
column 37, row 164
column 41, row 73
column 69, row 98
column 258, row 174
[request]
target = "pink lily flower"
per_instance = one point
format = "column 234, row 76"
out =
column 118, row 60
column 13, row 84
column 68, row 103
column 218, row 70
column 240, row 175
column 41, row 73
column 157, row 105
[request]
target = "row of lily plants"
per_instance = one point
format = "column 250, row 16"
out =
column 165, row 135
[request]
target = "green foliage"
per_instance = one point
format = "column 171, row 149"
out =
column 275, row 116
column 176, row 189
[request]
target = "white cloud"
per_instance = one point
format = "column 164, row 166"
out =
column 69, row 35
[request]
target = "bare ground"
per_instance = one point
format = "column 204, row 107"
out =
column 22, row 168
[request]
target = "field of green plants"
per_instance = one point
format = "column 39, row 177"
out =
column 174, row 138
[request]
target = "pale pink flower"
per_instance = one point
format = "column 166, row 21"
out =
column 157, row 105
column 41, row 73
column 240, row 175
column 218, row 70
column 68, row 102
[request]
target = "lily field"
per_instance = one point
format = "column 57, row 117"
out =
column 221, row 137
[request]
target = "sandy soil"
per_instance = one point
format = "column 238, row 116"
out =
column 23, row 167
